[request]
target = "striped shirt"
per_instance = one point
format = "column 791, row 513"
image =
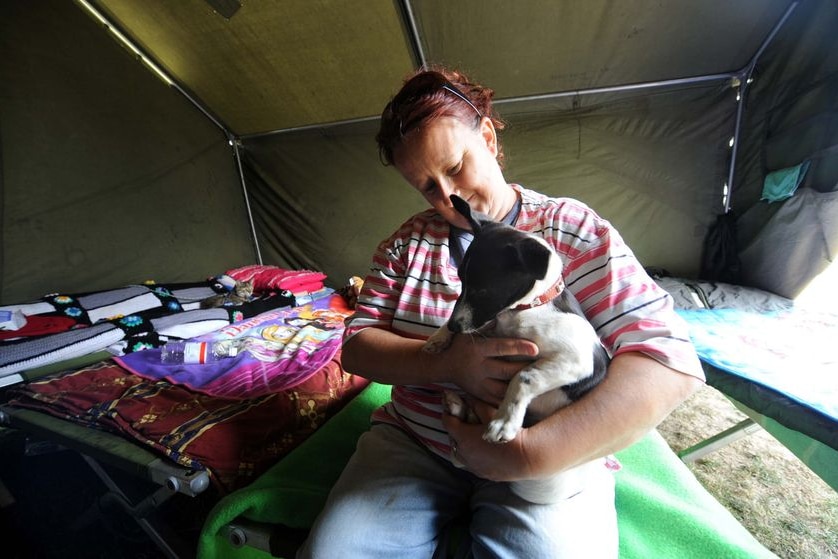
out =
column 413, row 285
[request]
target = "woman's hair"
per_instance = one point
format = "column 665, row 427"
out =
column 429, row 94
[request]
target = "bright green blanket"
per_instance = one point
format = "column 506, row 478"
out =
column 663, row 511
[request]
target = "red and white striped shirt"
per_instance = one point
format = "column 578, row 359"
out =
column 413, row 284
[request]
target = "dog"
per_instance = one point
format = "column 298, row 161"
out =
column 512, row 286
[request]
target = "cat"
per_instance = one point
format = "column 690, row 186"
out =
column 241, row 293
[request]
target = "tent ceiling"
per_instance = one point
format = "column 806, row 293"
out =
column 534, row 46
column 279, row 65
column 274, row 65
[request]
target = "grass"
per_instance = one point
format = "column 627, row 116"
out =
column 787, row 507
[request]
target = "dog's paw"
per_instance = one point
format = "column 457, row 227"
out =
column 500, row 431
column 459, row 408
column 439, row 341
column 454, row 405
column 432, row 346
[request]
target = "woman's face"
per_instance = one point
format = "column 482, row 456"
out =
column 448, row 157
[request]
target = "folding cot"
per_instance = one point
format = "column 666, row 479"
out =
column 663, row 511
column 779, row 369
column 773, row 359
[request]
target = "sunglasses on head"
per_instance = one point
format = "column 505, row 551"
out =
column 422, row 86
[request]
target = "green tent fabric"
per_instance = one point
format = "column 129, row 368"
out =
column 110, row 175
column 663, row 511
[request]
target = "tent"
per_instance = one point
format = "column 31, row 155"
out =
column 172, row 141
column 255, row 139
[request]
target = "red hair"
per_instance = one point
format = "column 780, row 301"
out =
column 430, row 93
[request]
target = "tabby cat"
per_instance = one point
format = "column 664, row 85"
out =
column 241, row 293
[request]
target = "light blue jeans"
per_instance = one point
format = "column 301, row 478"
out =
column 397, row 500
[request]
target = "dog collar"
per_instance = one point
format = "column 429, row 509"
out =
column 545, row 297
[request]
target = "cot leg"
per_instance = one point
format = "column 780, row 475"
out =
column 714, row 443
column 139, row 512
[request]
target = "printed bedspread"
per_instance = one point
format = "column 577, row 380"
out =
column 280, row 349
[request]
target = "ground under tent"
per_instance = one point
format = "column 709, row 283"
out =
column 241, row 133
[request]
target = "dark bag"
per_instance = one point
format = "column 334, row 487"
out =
column 720, row 257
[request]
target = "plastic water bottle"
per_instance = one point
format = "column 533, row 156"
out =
column 175, row 353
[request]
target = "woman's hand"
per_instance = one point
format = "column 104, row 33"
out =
column 480, row 366
column 497, row 462
column 637, row 393
column 483, row 366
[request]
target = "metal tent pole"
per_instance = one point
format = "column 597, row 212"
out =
column 235, row 143
column 508, row 100
column 744, row 76
column 414, row 33
column 145, row 59
column 661, row 84
column 307, row 127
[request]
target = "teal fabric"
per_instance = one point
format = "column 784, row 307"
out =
column 783, row 183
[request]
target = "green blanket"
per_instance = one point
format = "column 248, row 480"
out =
column 663, row 511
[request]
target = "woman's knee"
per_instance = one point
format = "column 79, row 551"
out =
column 584, row 525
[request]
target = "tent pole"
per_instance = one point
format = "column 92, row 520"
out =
column 414, row 33
column 308, row 127
column 202, row 108
column 545, row 96
column 235, row 142
column 620, row 88
column 232, row 140
column 740, row 110
column 149, row 63
column 744, row 77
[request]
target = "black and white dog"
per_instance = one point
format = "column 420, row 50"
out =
column 512, row 287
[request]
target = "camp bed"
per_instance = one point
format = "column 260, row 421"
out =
column 778, row 369
column 101, row 450
column 662, row 510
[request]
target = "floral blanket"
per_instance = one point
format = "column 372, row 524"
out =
column 235, row 440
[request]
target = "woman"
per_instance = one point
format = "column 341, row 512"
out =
column 400, row 491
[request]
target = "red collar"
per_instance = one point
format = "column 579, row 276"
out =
column 545, row 297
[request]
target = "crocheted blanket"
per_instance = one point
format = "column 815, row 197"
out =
column 132, row 318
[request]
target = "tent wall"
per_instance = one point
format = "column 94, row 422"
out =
column 652, row 162
column 108, row 176
column 792, row 117
column 653, row 165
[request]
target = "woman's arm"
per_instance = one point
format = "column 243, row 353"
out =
column 637, row 393
column 474, row 364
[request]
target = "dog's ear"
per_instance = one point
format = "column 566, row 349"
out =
column 475, row 219
column 529, row 255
